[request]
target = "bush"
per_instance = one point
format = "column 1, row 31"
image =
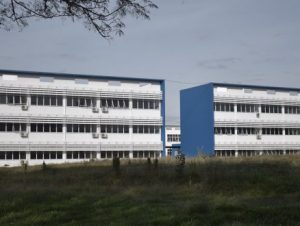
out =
column 116, row 165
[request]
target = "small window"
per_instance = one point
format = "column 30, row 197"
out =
column 46, row 79
column 293, row 93
column 248, row 91
column 114, row 83
column 271, row 92
column 81, row 81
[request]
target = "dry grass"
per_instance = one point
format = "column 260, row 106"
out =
column 212, row 191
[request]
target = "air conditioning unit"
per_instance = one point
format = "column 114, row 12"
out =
column 257, row 114
column 24, row 107
column 95, row 109
column 24, row 134
column 95, row 135
column 104, row 135
column 104, row 110
column 258, row 137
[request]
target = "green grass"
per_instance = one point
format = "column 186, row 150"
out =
column 252, row 191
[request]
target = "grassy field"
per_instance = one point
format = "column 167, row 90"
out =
column 252, row 191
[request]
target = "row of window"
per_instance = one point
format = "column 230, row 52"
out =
column 81, row 101
column 173, row 137
column 229, row 107
column 81, row 128
column 46, row 100
column 145, row 104
column 271, row 109
column 255, row 152
column 247, row 108
column 146, row 129
column 12, row 99
column 12, row 127
column 46, row 128
column 17, row 155
column 75, row 101
column 114, row 129
column 77, row 128
column 115, row 103
column 292, row 109
column 253, row 131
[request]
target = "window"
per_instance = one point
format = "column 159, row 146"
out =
column 45, row 128
column 227, row 107
column 272, row 131
column 46, row 79
column 46, row 155
column 145, row 104
column 292, row 109
column 81, row 101
column 12, row 99
column 114, row 129
column 224, row 130
column 173, row 137
column 247, row 108
column 146, row 129
column 115, row 103
column 247, row 131
column 46, row 100
column 81, row 128
column 271, row 92
column 12, row 127
column 292, row 131
column 81, row 81
column 271, row 109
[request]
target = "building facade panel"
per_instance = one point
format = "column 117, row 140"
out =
column 65, row 117
column 250, row 120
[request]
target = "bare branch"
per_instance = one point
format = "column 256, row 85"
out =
column 103, row 16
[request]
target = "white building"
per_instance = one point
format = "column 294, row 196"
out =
column 60, row 118
column 240, row 120
column 172, row 142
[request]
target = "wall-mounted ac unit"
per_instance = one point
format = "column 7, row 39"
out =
column 104, row 135
column 104, row 110
column 258, row 137
column 24, row 134
column 257, row 114
column 24, row 107
column 95, row 135
column 95, row 109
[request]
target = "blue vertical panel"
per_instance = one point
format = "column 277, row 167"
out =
column 197, row 120
column 163, row 115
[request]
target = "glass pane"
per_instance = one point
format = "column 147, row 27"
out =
column 69, row 101
column 59, row 100
column 17, row 99
column 9, row 127
column 53, row 100
column 2, row 127
column 2, row 98
column 10, row 99
column 33, row 100
column 33, row 127
column 40, row 128
column 59, row 128
column 53, row 128
column 47, row 100
column 46, row 128
column 40, row 100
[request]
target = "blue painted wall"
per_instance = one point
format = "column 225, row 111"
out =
column 197, row 120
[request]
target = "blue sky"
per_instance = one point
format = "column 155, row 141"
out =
column 186, row 42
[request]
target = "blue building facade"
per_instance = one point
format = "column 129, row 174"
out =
column 239, row 120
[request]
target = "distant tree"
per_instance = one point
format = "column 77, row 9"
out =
column 106, row 17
